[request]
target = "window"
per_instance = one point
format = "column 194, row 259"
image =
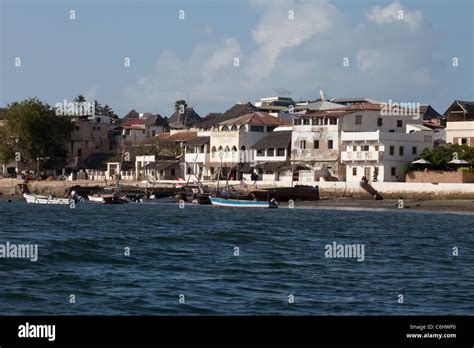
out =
column 364, row 148
column 153, row 133
column 354, row 171
column 93, row 128
column 98, row 128
column 242, row 128
column 227, row 149
column 330, row 144
column 76, row 128
column 234, row 149
column 333, row 120
column 213, row 152
column 399, row 123
column 234, row 128
column 306, row 121
column 79, row 152
column 297, row 122
column 464, row 141
column 173, row 172
column 271, row 152
column 270, row 128
column 392, row 150
column 393, row 171
column 280, row 152
column 379, row 122
column 260, row 152
column 401, row 151
column 413, row 150
column 358, row 119
column 376, row 147
column 428, row 139
column 257, row 128
column 326, row 121
column 302, row 144
column 316, row 144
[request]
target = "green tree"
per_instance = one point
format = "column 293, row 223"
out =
column 440, row 156
column 33, row 129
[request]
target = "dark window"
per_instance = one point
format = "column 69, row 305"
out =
column 270, row 128
column 271, row 152
column 257, row 128
column 413, row 150
column 303, row 144
column 330, row 144
column 79, row 152
column 281, row 152
column 260, row 152
column 358, row 119
column 326, row 121
column 76, row 128
column 354, row 171
column 392, row 150
column 393, row 171
column 306, row 121
column 297, row 122
column 464, row 141
column 333, row 120
column 173, row 172
column 401, row 150
column 153, row 133
column 365, row 148
column 379, row 122
column 399, row 123
column 316, row 144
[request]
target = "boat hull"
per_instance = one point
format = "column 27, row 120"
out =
column 38, row 199
column 220, row 202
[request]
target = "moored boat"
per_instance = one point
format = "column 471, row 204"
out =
column 238, row 203
column 39, row 199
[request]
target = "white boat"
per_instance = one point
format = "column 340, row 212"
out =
column 38, row 199
column 237, row 203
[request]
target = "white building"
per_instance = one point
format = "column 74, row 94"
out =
column 317, row 140
column 197, row 155
column 381, row 156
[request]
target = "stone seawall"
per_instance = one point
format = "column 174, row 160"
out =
column 334, row 189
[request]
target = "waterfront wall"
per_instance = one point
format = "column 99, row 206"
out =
column 328, row 189
column 439, row 176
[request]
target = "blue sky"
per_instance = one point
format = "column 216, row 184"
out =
column 405, row 59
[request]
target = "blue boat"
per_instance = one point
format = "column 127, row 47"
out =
column 238, row 203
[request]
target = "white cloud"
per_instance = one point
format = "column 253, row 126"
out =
column 387, row 61
column 393, row 13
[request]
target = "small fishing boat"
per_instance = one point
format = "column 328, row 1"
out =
column 106, row 199
column 38, row 199
column 239, row 203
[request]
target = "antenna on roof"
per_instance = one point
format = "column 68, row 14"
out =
column 283, row 92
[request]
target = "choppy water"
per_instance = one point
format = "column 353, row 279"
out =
column 190, row 251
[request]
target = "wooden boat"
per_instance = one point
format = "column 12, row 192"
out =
column 238, row 203
column 284, row 194
column 106, row 199
column 38, row 199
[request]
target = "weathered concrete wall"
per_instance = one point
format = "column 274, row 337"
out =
column 440, row 176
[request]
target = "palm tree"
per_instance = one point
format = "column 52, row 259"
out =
column 80, row 99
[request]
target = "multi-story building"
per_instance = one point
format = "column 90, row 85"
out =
column 317, row 142
column 460, row 123
column 90, row 136
column 231, row 140
column 380, row 155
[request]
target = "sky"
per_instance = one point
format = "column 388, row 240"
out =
column 225, row 51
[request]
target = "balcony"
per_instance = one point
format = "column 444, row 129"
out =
column 353, row 156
